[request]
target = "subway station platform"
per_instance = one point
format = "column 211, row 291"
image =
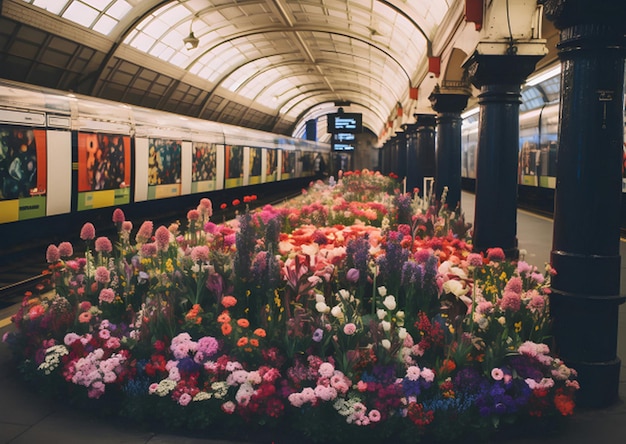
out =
column 28, row 418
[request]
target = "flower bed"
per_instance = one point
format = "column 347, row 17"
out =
column 331, row 319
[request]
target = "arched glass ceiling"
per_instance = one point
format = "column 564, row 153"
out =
column 100, row 15
column 284, row 56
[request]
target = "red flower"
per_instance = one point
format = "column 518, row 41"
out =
column 236, row 202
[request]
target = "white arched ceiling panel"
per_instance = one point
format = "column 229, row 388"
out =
column 247, row 47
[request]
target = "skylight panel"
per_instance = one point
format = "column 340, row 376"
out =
column 52, row 6
column 104, row 25
column 81, row 13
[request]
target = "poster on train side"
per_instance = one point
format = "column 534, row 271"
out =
column 288, row 166
column 255, row 161
column 233, row 166
column 271, row 165
column 22, row 173
column 204, row 167
column 164, row 168
column 103, row 170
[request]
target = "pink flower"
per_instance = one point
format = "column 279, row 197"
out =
column 84, row 306
column 413, row 373
column 193, row 215
column 127, row 226
column 149, row 250
column 497, row 374
column 103, row 275
column 511, row 301
column 118, row 216
column 206, row 207
column 184, row 399
column 228, row 407
column 349, row 329
column 52, row 254
column 326, row 370
column 65, row 249
column 106, row 295
column 103, row 245
column 374, row 415
column 84, row 317
column 162, row 238
column 515, row 285
column 200, row 253
column 145, row 232
column 495, row 254
column 474, row 260
column 88, row 232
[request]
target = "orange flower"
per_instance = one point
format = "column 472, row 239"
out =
column 563, row 403
column 243, row 323
column 254, row 342
column 242, row 342
column 226, row 329
column 260, row 333
column 229, row 301
column 223, row 318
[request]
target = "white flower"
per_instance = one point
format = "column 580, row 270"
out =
column 455, row 287
column 319, row 297
column 382, row 291
column 402, row 333
column 386, row 325
column 337, row 312
column 386, row 343
column 322, row 307
column 381, row 314
column 390, row 302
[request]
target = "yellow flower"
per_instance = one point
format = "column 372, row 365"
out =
column 518, row 327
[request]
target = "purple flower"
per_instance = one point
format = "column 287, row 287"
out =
column 353, row 275
column 318, row 335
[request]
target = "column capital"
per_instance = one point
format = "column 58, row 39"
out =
column 447, row 103
column 422, row 120
column 566, row 13
column 489, row 69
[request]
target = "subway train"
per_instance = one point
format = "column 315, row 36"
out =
column 538, row 144
column 66, row 159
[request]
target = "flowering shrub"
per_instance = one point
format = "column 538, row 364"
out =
column 333, row 318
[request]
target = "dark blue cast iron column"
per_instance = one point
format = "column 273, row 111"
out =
column 585, row 250
column 410, row 129
column 426, row 154
column 499, row 78
column 448, row 145
column 400, row 154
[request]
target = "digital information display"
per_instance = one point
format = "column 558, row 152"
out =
column 345, row 122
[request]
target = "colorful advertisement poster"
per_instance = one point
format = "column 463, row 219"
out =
column 271, row 169
column 204, row 167
column 22, row 173
column 234, row 166
column 289, row 165
column 164, row 168
column 254, row 166
column 103, row 170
